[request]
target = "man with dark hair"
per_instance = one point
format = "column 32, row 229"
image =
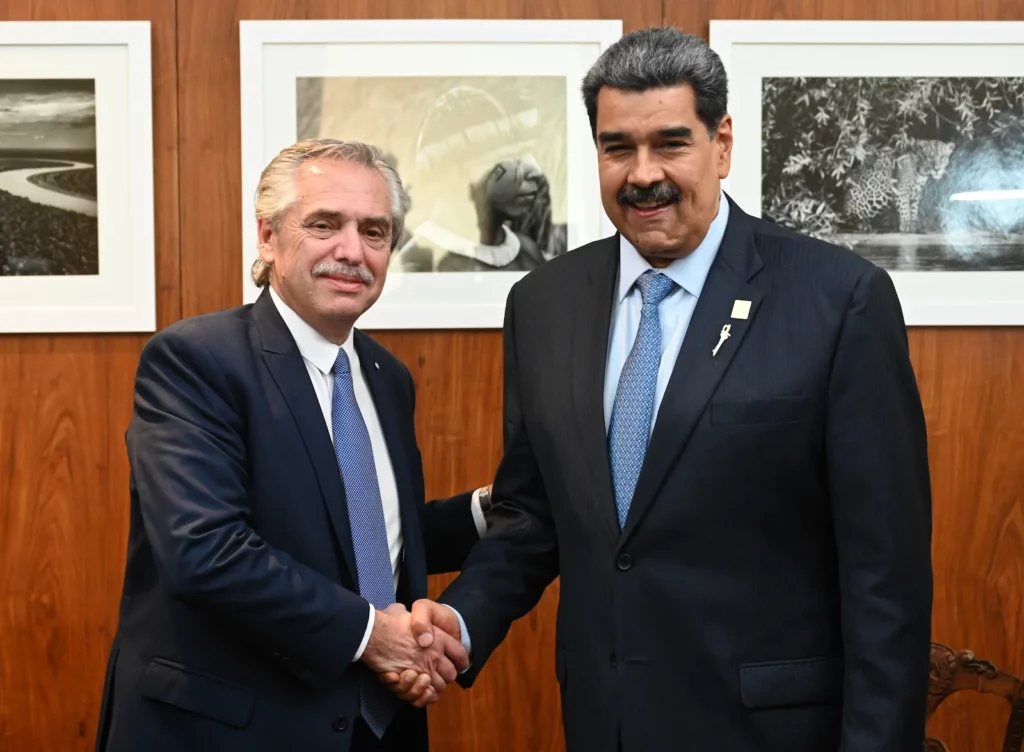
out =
column 714, row 436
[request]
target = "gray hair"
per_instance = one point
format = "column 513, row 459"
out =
column 275, row 192
column 656, row 58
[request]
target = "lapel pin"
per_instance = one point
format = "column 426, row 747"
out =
column 722, row 337
column 376, row 365
column 741, row 309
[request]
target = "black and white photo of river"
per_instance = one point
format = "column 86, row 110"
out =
column 48, row 211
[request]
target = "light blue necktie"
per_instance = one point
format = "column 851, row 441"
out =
column 366, row 518
column 633, row 409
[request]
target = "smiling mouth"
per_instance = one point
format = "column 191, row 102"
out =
column 343, row 281
column 647, row 209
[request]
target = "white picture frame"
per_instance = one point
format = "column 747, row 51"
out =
column 275, row 54
column 959, row 281
column 85, row 262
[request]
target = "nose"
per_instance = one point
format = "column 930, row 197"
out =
column 349, row 245
column 646, row 168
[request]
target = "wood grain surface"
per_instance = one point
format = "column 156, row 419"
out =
column 64, row 406
column 970, row 383
column 65, row 402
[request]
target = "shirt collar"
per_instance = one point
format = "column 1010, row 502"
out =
column 312, row 345
column 688, row 272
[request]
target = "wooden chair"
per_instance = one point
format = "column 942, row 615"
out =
column 954, row 672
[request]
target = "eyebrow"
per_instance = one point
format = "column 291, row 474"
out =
column 338, row 216
column 680, row 131
column 615, row 137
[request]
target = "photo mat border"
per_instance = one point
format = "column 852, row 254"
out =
column 435, row 300
column 87, row 304
column 928, row 298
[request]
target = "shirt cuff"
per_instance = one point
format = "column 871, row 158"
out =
column 464, row 636
column 366, row 635
column 478, row 514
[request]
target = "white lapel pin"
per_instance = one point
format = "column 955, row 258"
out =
column 376, row 365
column 722, row 337
column 741, row 309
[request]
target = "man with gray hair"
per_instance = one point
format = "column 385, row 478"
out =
column 714, row 437
column 278, row 528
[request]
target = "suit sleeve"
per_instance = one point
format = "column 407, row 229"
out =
column 186, row 444
column 879, row 484
column 449, row 532
column 507, row 572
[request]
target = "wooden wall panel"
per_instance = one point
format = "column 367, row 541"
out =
column 64, row 406
column 970, row 381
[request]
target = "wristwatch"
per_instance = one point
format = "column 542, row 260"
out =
column 486, row 502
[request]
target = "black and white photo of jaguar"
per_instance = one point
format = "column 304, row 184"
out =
column 915, row 174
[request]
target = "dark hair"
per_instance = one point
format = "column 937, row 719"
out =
column 656, row 58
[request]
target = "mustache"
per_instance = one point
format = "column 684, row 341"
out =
column 340, row 268
column 660, row 193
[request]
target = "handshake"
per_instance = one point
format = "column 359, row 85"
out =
column 416, row 654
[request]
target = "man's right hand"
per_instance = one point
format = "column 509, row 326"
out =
column 428, row 665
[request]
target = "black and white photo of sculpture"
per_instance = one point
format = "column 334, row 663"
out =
column 915, row 174
column 48, row 217
column 482, row 158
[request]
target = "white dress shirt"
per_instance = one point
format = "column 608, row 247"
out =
column 319, row 355
column 674, row 313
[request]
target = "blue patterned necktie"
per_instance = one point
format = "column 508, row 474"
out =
column 366, row 518
column 633, row 409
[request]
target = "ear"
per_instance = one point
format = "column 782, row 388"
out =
column 723, row 144
column 266, row 239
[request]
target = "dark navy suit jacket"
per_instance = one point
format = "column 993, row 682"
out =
column 240, row 615
column 771, row 589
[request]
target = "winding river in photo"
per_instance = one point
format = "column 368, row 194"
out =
column 25, row 183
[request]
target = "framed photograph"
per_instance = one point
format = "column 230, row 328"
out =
column 902, row 141
column 76, row 178
column 483, row 120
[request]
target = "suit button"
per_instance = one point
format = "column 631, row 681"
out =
column 340, row 723
column 624, row 562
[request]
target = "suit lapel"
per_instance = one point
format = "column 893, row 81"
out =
column 288, row 370
column 383, row 390
column 592, row 318
column 697, row 372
